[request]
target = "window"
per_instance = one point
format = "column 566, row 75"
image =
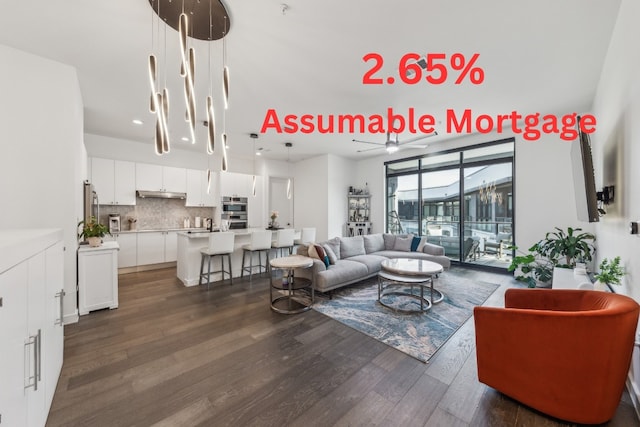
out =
column 461, row 200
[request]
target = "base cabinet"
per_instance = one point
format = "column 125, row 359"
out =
column 31, row 334
column 97, row 277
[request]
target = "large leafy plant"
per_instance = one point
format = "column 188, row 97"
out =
column 557, row 249
column 570, row 246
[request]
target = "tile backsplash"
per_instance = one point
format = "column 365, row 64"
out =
column 153, row 214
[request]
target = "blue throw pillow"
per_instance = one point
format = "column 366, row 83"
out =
column 415, row 243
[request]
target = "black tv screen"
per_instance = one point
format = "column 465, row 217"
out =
column 584, row 182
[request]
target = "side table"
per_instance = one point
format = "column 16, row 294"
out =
column 291, row 302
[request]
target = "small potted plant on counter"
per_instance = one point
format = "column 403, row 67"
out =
column 93, row 231
column 609, row 273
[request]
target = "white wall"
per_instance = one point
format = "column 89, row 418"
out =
column 544, row 184
column 43, row 163
column 311, row 194
column 340, row 176
column 615, row 149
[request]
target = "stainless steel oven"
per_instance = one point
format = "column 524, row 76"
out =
column 234, row 210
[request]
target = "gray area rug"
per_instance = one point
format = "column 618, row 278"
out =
column 419, row 335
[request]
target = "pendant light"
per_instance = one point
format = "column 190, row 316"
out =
column 288, row 145
column 254, row 136
column 225, row 162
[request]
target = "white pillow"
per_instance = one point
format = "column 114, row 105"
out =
column 403, row 243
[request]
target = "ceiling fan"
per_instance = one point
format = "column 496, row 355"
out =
column 392, row 146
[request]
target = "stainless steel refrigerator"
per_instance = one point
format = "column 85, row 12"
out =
column 91, row 203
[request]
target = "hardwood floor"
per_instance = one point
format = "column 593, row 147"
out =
column 176, row 356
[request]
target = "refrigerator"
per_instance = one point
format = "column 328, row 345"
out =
column 91, row 203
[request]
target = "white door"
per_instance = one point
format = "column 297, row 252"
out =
column 278, row 201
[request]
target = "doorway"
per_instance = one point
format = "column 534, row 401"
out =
column 278, row 201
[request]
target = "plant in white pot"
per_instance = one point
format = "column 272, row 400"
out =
column 93, row 231
column 610, row 272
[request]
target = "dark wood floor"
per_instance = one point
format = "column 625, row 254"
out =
column 176, row 356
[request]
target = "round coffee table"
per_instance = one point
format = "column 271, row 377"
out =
column 290, row 303
column 401, row 273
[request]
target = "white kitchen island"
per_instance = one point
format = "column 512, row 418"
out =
column 189, row 246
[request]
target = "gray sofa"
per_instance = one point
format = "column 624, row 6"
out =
column 352, row 259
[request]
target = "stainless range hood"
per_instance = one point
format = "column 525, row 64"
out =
column 161, row 194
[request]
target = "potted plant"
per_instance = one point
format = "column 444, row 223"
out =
column 570, row 246
column 533, row 268
column 536, row 267
column 609, row 273
column 93, row 231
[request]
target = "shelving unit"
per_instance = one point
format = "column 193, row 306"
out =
column 358, row 214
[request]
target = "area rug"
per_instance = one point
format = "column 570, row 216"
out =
column 419, row 335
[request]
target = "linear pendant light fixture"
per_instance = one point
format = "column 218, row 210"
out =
column 288, row 145
column 206, row 20
column 254, row 136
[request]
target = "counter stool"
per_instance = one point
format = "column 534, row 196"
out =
column 284, row 240
column 220, row 244
column 307, row 235
column 260, row 242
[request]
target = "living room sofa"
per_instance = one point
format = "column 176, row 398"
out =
column 342, row 261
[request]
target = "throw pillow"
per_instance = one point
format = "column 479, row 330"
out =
column 373, row 243
column 332, row 255
column 403, row 244
column 334, row 244
column 317, row 252
column 415, row 242
column 351, row 246
column 389, row 240
column 423, row 242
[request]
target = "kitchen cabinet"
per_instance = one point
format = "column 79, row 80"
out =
column 97, row 277
column 161, row 178
column 197, row 184
column 31, row 331
column 114, row 181
column 155, row 247
column 128, row 253
column 235, row 184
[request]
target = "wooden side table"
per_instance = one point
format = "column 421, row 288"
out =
column 291, row 302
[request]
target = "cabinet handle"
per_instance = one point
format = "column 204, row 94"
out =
column 39, row 358
column 32, row 341
column 60, row 295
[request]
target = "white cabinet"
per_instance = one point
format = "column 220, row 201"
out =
column 128, row 253
column 114, row 181
column 97, row 277
column 170, row 246
column 31, row 330
column 197, row 185
column 160, row 178
column 150, row 247
column 235, row 184
column 156, row 247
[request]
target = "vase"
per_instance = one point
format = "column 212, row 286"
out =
column 94, row 242
column 599, row 286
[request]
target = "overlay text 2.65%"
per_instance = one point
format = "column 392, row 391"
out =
column 433, row 68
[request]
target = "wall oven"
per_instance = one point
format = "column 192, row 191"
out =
column 234, row 210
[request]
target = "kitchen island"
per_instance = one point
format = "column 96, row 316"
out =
column 190, row 244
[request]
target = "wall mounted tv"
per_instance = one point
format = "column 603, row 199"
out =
column 584, row 182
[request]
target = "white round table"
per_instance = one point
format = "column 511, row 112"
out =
column 401, row 273
column 291, row 302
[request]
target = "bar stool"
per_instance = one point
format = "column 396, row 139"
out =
column 307, row 235
column 284, row 240
column 260, row 242
column 220, row 244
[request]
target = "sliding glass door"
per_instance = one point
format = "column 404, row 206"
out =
column 461, row 200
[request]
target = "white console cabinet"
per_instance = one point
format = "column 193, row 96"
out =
column 31, row 330
column 97, row 277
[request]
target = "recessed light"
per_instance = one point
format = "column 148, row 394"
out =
column 137, row 121
column 258, row 153
column 185, row 139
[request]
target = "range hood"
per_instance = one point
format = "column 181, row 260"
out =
column 161, row 194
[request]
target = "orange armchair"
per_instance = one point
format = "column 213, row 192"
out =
column 565, row 353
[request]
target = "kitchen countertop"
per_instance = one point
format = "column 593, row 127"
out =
column 156, row 230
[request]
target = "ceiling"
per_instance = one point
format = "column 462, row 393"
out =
column 538, row 56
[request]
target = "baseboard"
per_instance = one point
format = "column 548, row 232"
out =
column 634, row 393
column 71, row 318
column 148, row 267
